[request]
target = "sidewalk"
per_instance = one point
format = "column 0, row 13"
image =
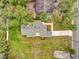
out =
column 62, row 33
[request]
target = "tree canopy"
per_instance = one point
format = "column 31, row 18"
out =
column 43, row 16
column 12, row 14
column 14, row 11
column 64, row 14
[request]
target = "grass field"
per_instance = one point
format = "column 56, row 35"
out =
column 35, row 48
column 21, row 47
column 59, row 27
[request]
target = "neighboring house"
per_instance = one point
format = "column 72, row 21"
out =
column 31, row 30
column 45, row 5
column 38, row 6
column 31, row 8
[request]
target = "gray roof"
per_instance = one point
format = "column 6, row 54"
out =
column 45, row 5
column 30, row 30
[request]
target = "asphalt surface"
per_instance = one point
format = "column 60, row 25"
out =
column 76, row 33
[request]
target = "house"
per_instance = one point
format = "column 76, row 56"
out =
column 45, row 5
column 38, row 6
column 37, row 28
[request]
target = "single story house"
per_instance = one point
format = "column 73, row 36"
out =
column 37, row 28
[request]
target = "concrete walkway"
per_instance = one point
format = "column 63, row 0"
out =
column 58, row 33
column 36, row 50
column 62, row 33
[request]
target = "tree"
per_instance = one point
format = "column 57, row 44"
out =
column 2, row 41
column 64, row 14
column 11, row 15
column 2, row 32
column 2, row 36
column 71, row 51
column 43, row 16
column 14, row 11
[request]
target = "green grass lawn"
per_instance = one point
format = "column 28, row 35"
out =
column 35, row 48
column 58, row 26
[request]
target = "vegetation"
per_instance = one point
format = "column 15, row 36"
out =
column 28, row 48
column 64, row 15
column 2, row 36
column 71, row 51
column 14, row 13
column 2, row 41
column 43, row 16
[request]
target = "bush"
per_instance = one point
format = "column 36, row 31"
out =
column 43, row 16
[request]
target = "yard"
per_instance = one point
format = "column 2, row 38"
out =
column 21, row 47
column 58, row 26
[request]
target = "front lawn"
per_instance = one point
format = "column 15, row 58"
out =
column 35, row 48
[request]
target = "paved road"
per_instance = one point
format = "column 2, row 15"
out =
column 76, row 34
